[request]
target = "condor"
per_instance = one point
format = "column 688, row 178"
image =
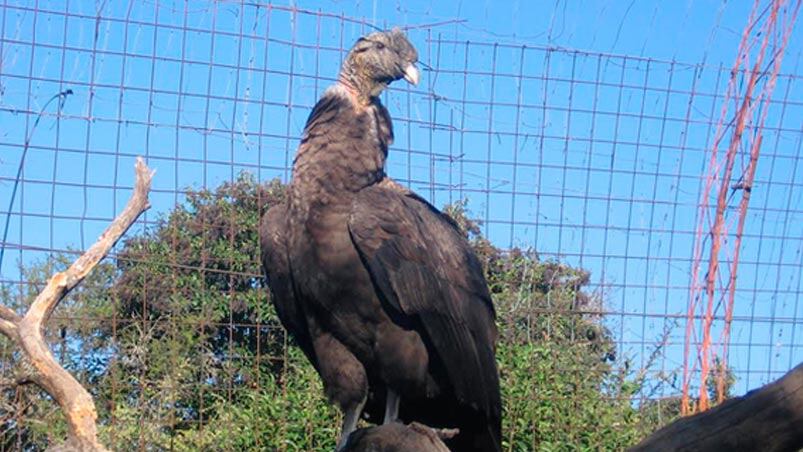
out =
column 380, row 290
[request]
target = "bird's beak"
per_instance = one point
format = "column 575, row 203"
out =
column 411, row 74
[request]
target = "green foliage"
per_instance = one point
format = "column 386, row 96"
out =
column 559, row 385
column 277, row 413
column 182, row 349
column 78, row 338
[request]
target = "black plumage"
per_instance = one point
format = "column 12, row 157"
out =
column 381, row 290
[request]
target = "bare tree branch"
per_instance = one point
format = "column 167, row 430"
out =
column 9, row 329
column 63, row 282
column 397, row 436
column 28, row 331
column 19, row 381
column 8, row 314
column 8, row 322
column 769, row 419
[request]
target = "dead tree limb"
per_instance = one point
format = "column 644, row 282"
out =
column 767, row 419
column 28, row 331
column 396, row 437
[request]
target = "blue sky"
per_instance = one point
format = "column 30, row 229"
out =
column 577, row 128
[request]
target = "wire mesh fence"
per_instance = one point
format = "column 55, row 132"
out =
column 583, row 170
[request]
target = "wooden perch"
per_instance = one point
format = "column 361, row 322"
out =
column 767, row 419
column 397, row 437
column 28, row 331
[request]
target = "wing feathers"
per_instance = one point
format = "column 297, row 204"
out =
column 277, row 269
column 424, row 268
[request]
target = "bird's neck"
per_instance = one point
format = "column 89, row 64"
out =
column 363, row 89
column 344, row 146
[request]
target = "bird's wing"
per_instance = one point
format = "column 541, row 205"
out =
column 277, row 269
column 424, row 268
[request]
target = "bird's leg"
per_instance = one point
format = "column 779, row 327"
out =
column 350, row 418
column 391, row 407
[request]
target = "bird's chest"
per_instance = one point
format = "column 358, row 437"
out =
column 324, row 251
column 332, row 282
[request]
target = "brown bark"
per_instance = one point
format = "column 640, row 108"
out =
column 767, row 419
column 28, row 331
column 397, row 437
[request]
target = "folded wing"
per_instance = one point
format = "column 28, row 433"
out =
column 425, row 270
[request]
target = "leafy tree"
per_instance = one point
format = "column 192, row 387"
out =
column 180, row 345
column 79, row 339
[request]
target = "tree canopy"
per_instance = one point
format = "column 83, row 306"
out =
column 177, row 341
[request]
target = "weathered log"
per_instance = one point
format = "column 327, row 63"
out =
column 767, row 419
column 397, row 437
column 28, row 331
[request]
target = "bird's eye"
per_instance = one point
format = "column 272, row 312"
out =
column 380, row 45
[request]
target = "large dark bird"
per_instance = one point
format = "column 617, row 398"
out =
column 381, row 290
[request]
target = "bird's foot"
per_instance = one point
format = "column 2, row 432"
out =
column 350, row 418
column 391, row 407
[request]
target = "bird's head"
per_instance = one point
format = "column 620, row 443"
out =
column 378, row 59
